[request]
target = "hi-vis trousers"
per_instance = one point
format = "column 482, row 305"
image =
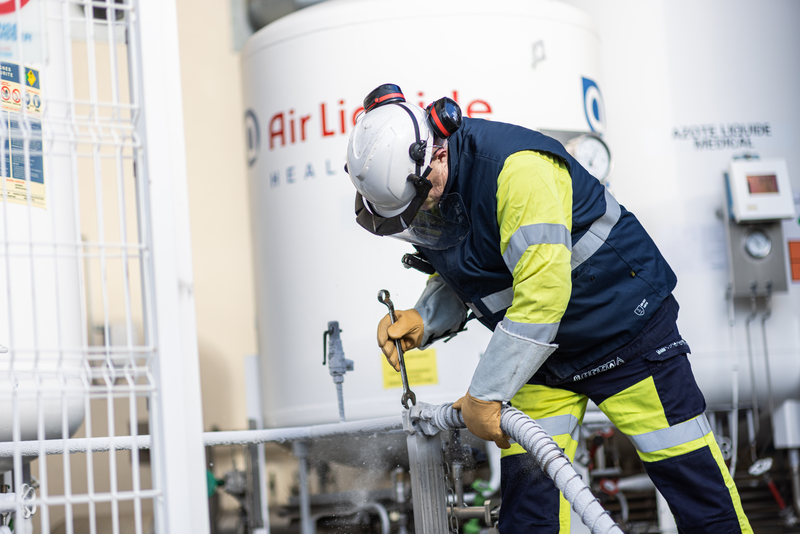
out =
column 657, row 404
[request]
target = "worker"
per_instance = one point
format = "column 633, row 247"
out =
column 518, row 235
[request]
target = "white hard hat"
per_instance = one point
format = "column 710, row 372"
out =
column 381, row 151
column 388, row 160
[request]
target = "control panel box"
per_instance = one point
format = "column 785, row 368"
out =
column 759, row 190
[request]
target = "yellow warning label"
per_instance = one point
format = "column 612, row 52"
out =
column 420, row 366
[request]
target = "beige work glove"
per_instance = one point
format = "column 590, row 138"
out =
column 408, row 329
column 483, row 419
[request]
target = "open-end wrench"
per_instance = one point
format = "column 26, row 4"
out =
column 408, row 395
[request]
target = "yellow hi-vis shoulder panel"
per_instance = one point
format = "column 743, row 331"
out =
column 534, row 213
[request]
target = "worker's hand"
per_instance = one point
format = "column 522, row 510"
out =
column 408, row 329
column 483, row 419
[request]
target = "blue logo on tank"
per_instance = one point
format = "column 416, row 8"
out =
column 593, row 106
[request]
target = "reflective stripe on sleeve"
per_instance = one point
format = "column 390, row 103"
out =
column 597, row 234
column 499, row 301
column 672, row 436
column 475, row 309
column 543, row 333
column 535, row 234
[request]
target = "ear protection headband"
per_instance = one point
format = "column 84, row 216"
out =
column 443, row 116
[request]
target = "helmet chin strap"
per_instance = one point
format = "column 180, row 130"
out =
column 369, row 219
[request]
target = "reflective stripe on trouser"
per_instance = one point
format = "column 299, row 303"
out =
column 531, row 503
column 679, row 454
column 658, row 405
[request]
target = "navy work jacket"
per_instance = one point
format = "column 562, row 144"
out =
column 619, row 277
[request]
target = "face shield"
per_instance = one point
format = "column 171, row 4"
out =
column 443, row 226
column 439, row 228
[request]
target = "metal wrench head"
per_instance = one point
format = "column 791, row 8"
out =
column 383, row 298
column 408, row 395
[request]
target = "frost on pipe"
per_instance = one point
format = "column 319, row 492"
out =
column 547, row 454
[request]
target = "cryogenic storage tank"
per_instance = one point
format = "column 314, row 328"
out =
column 41, row 346
column 534, row 63
column 674, row 126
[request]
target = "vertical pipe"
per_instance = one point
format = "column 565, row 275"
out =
column 733, row 416
column 733, row 424
column 794, row 465
column 300, row 451
column 764, row 319
column 400, row 498
column 753, row 388
column 340, row 398
column 458, row 482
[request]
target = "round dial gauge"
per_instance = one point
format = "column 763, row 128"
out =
column 758, row 244
column 592, row 153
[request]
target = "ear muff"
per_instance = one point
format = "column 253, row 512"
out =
column 383, row 94
column 444, row 117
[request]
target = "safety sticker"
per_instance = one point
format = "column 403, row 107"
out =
column 420, row 367
column 21, row 103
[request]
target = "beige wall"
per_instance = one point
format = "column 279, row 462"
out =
column 217, row 175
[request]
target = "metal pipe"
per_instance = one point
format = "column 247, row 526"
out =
column 467, row 512
column 733, row 415
column 794, row 465
column 458, row 471
column 552, row 460
column 753, row 388
column 8, row 502
column 623, row 506
column 367, row 427
column 733, row 423
column 764, row 318
column 340, row 398
column 382, row 513
column 300, row 451
column 400, row 497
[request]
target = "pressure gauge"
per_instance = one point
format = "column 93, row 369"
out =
column 758, row 244
column 592, row 153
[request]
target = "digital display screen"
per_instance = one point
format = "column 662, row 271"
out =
column 762, row 183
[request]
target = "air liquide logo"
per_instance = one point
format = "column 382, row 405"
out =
column 593, row 106
column 253, row 135
column 9, row 6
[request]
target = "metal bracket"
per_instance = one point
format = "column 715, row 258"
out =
column 419, row 420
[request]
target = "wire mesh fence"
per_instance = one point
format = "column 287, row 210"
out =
column 77, row 342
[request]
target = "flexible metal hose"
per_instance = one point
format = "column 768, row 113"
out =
column 547, row 454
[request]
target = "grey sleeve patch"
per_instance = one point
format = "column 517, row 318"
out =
column 507, row 364
column 544, row 332
column 441, row 310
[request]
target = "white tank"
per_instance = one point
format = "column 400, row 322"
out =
column 40, row 308
column 305, row 77
column 681, row 104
